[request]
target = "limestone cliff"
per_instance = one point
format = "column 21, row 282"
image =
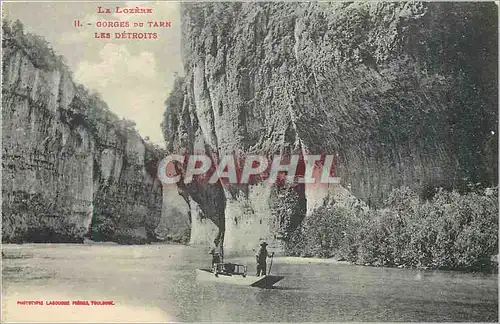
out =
column 401, row 93
column 71, row 168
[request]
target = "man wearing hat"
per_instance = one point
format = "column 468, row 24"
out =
column 261, row 257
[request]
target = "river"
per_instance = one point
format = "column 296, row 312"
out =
column 156, row 283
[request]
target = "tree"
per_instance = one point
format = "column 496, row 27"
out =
column 18, row 28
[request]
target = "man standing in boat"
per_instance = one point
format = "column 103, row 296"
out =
column 261, row 257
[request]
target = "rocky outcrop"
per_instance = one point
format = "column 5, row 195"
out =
column 401, row 93
column 71, row 168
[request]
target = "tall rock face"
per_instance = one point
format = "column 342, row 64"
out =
column 71, row 169
column 401, row 94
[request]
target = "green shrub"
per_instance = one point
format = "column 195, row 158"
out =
column 450, row 231
column 103, row 228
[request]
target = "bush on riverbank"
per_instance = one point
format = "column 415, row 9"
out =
column 451, row 231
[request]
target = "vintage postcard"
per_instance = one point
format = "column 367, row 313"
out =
column 249, row 161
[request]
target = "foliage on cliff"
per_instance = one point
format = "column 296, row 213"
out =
column 451, row 231
column 36, row 47
column 288, row 207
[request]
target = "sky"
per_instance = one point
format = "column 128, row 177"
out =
column 134, row 77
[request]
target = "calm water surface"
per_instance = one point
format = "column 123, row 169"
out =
column 162, row 278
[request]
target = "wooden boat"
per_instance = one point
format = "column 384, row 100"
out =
column 237, row 279
column 236, row 274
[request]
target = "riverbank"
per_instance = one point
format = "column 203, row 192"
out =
column 301, row 260
column 491, row 269
column 287, row 260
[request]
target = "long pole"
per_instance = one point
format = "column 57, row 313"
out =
column 270, row 265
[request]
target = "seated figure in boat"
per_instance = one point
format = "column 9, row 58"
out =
column 261, row 256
